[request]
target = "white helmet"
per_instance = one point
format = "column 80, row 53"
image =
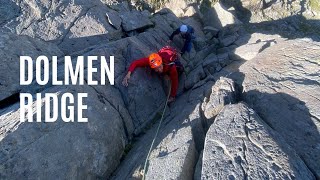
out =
column 183, row 28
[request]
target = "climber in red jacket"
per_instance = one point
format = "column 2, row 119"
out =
column 161, row 64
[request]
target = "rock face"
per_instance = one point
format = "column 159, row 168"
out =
column 11, row 48
column 134, row 21
column 280, row 82
column 284, row 89
column 175, row 152
column 65, row 150
column 216, row 15
column 71, row 25
column 240, row 145
column 223, row 93
column 262, row 10
column 130, row 110
column 250, row 46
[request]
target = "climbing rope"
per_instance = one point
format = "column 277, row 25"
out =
column 147, row 159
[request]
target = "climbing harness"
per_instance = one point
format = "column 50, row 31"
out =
column 147, row 159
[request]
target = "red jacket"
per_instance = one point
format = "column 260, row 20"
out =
column 170, row 70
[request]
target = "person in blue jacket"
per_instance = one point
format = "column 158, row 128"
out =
column 186, row 32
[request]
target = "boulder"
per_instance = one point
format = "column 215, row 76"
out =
column 177, row 7
column 284, row 90
column 135, row 20
column 240, row 145
column 190, row 11
column 223, row 92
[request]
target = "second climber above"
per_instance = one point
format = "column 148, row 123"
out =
column 187, row 33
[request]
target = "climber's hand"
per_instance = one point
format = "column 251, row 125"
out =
column 169, row 41
column 126, row 79
column 171, row 99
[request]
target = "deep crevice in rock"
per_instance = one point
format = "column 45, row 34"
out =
column 14, row 98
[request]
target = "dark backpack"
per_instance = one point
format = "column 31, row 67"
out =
column 170, row 57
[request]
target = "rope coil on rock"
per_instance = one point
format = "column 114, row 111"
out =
column 147, row 159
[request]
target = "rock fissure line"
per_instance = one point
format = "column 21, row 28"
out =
column 73, row 23
column 117, row 109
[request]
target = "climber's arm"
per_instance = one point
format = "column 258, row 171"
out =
column 143, row 62
column 177, row 31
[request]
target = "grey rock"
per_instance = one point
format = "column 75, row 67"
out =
column 217, row 16
column 223, row 92
column 72, row 26
column 181, row 150
column 199, row 44
column 200, row 55
column 67, row 150
column 241, row 145
column 177, row 7
column 120, row 116
column 228, row 40
column 200, row 89
column 190, row 11
column 222, row 50
column 120, row 6
column 197, row 171
column 231, row 29
column 208, row 35
column 224, row 59
column 90, row 30
column 114, row 19
column 194, row 76
column 196, row 24
column 213, row 41
column 135, row 20
column 212, row 30
column 11, row 48
column 232, row 47
column 175, row 152
column 209, row 60
column 146, row 13
column 8, row 10
column 211, row 63
column 251, row 45
column 283, row 89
